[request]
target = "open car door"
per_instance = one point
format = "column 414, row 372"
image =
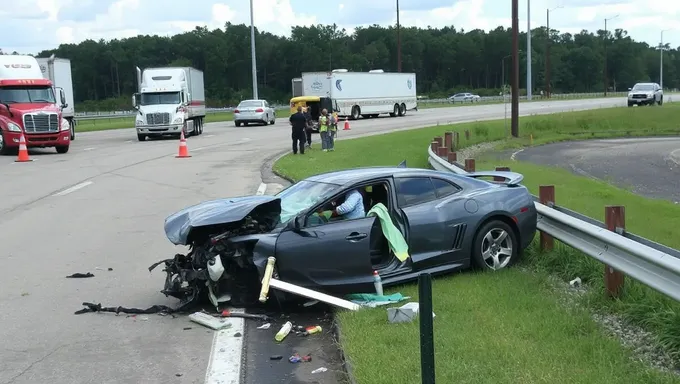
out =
column 333, row 257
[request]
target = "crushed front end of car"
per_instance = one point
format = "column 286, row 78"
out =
column 223, row 237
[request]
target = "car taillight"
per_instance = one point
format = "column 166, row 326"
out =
column 259, row 110
column 235, row 110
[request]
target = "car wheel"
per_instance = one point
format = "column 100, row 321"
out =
column 141, row 137
column 355, row 112
column 237, row 123
column 73, row 130
column 62, row 148
column 661, row 100
column 495, row 246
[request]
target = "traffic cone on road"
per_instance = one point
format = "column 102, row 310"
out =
column 183, row 150
column 23, row 151
column 346, row 128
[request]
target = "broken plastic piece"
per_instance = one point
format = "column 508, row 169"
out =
column 295, row 358
column 209, row 321
column 79, row 275
column 283, row 332
column 320, row 370
column 268, row 271
column 275, row 357
column 405, row 313
column 264, row 326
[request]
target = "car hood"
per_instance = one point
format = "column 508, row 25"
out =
column 179, row 225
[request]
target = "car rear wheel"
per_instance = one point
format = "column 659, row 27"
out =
column 661, row 100
column 495, row 246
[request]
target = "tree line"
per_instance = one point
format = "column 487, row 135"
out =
column 446, row 60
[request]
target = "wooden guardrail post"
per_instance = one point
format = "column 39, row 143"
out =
column 546, row 196
column 469, row 165
column 442, row 152
column 448, row 140
column 614, row 220
column 456, row 140
column 439, row 140
column 501, row 169
column 467, row 134
column 452, row 157
column 434, row 145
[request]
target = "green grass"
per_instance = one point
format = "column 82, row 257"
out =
column 505, row 327
column 508, row 327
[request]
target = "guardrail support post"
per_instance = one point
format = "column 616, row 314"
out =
column 442, row 152
column 452, row 157
column 434, row 145
column 546, row 196
column 615, row 221
column 469, row 165
column 467, row 134
column 501, row 169
column 439, row 141
column 448, row 140
column 456, row 140
column 427, row 371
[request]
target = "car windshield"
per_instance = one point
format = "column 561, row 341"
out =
column 303, row 195
column 643, row 87
column 39, row 94
column 161, row 98
column 250, row 104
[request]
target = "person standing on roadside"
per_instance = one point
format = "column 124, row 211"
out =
column 323, row 129
column 298, row 124
column 332, row 131
column 308, row 127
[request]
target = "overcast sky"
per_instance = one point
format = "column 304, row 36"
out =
column 29, row 26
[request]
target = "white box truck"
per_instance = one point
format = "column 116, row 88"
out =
column 58, row 71
column 366, row 94
column 167, row 100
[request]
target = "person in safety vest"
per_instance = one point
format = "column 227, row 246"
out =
column 323, row 129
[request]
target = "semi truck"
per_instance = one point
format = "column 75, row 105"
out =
column 30, row 106
column 58, row 70
column 168, row 98
column 366, row 94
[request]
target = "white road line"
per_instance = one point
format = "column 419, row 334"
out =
column 261, row 189
column 224, row 366
column 209, row 135
column 73, row 188
column 89, row 149
column 128, row 141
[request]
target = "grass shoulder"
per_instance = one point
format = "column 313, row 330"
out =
column 492, row 317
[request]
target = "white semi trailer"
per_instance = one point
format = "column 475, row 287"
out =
column 58, row 70
column 168, row 98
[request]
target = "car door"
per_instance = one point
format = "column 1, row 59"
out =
column 333, row 257
column 435, row 214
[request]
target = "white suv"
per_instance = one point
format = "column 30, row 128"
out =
column 645, row 94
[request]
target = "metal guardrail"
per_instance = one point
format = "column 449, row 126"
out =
column 482, row 100
column 646, row 261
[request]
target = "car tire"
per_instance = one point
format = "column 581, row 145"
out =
column 395, row 111
column 402, row 109
column 4, row 149
column 661, row 100
column 141, row 137
column 237, row 123
column 62, row 148
column 72, row 124
column 356, row 111
column 495, row 246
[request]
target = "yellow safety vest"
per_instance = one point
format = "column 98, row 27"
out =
column 323, row 124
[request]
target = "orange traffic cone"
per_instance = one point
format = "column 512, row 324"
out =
column 346, row 128
column 183, row 150
column 23, row 151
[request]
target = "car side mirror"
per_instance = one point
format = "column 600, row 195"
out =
column 297, row 223
column 630, row 89
column 64, row 106
column 62, row 96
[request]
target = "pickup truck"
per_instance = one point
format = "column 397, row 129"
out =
column 645, row 94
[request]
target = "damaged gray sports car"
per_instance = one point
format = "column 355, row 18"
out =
column 447, row 222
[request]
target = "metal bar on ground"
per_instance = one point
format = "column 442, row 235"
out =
column 306, row 292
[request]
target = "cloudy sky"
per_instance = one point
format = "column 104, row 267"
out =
column 32, row 25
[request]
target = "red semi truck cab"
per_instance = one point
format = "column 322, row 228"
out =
column 29, row 106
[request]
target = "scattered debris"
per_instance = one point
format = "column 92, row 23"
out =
column 310, row 330
column 178, row 374
column 576, row 282
column 24, row 293
column 226, row 313
column 101, row 269
column 276, row 357
column 160, row 309
column 404, row 314
column 296, row 358
column 209, row 321
column 237, row 334
column 283, row 332
column 80, row 275
column 372, row 300
column 320, row 370
column 186, row 328
column 264, row 326
column 310, row 303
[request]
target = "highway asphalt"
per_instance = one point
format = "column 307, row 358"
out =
column 647, row 166
column 102, row 205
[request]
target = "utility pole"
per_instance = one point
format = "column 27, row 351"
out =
column 529, row 74
column 252, row 51
column 661, row 49
column 514, row 124
column 606, row 79
column 547, row 50
column 398, row 40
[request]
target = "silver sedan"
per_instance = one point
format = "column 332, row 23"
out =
column 254, row 111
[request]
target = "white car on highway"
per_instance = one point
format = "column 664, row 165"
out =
column 645, row 94
column 464, row 98
column 254, row 111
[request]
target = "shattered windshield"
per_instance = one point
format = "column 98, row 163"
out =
column 303, row 195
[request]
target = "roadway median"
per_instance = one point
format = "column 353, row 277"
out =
column 523, row 324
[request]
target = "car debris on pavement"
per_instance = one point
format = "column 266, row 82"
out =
column 80, row 275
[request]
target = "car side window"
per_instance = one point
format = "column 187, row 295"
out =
column 444, row 188
column 414, row 190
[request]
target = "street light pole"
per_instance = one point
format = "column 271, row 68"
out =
column 661, row 49
column 398, row 40
column 606, row 80
column 529, row 74
column 547, row 50
column 514, row 124
column 252, row 51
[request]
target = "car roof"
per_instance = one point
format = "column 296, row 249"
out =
column 249, row 100
column 355, row 175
